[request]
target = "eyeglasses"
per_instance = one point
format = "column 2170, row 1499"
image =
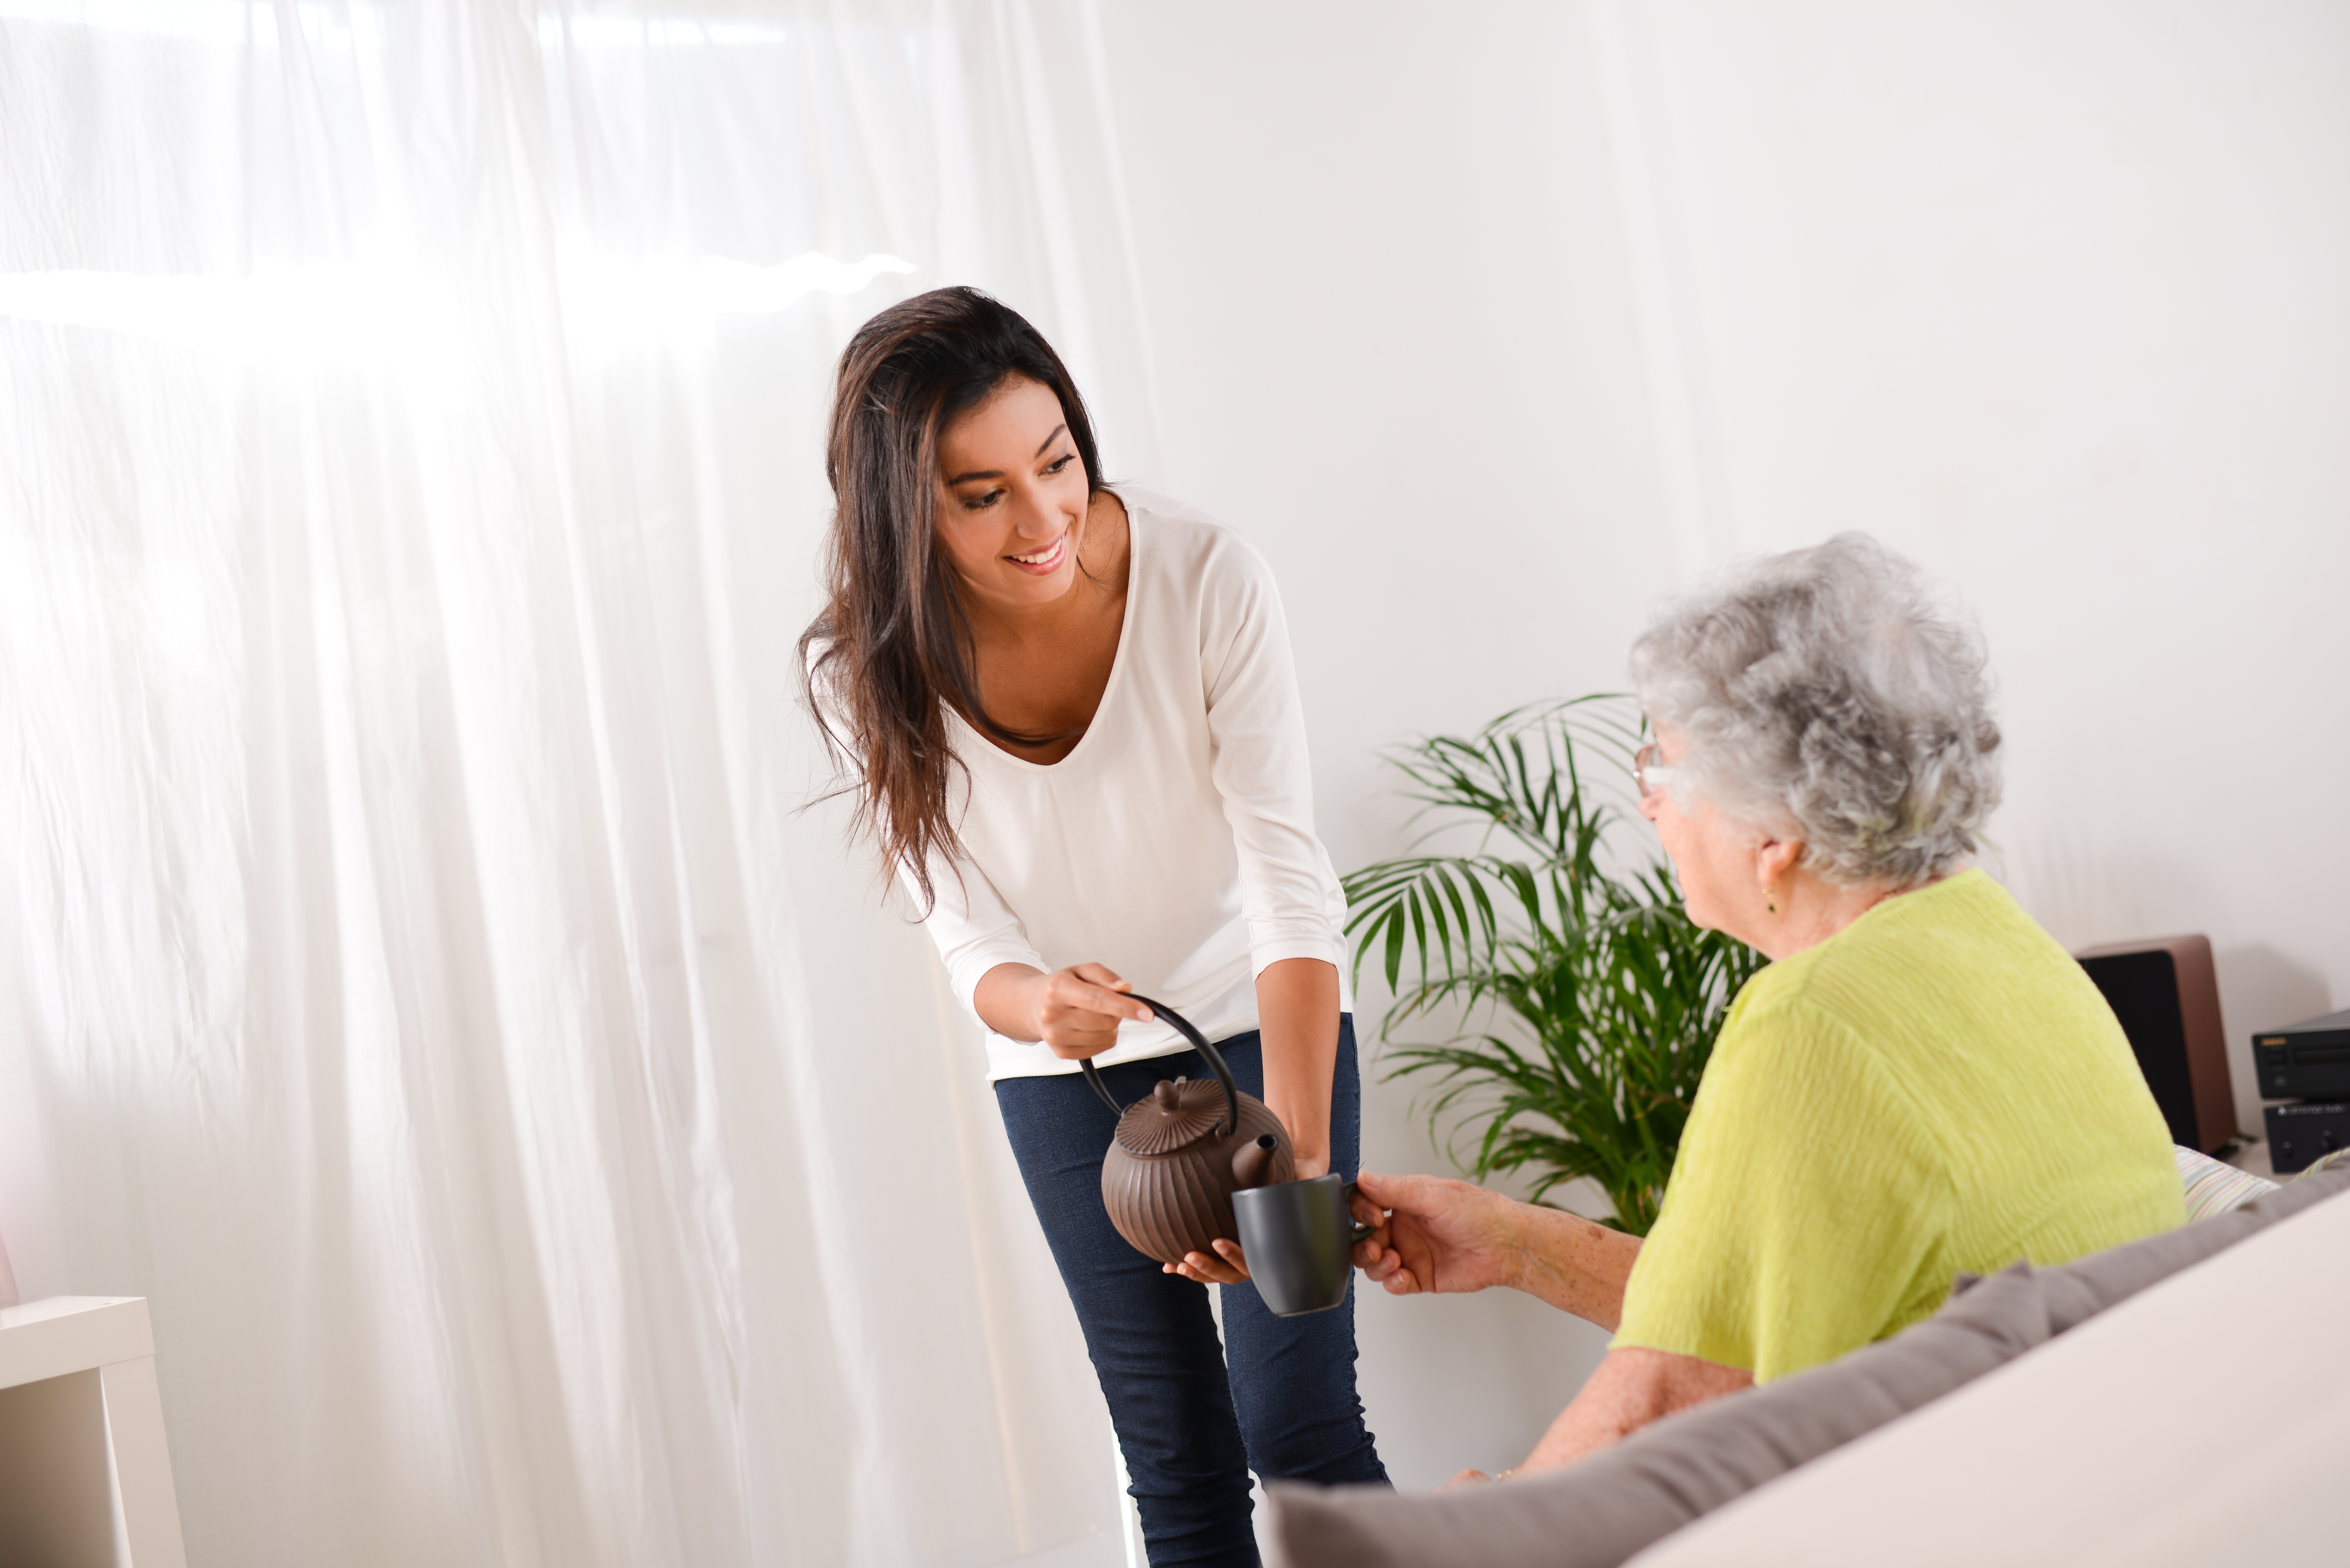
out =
column 1650, row 772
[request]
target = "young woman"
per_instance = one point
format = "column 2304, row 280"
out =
column 1073, row 722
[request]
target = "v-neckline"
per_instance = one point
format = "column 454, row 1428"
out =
column 1117, row 663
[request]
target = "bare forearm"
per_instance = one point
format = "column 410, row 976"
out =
column 1002, row 1001
column 1630, row 1388
column 1075, row 1011
column 1297, row 1019
column 1573, row 1264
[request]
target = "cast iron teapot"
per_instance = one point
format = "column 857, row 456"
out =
column 1182, row 1151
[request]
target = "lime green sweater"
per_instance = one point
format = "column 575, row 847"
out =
column 1936, row 1087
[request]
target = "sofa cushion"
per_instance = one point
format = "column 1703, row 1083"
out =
column 1601, row 1511
column 1613, row 1504
column 2080, row 1290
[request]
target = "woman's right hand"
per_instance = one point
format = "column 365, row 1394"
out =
column 1077, row 1010
column 1436, row 1235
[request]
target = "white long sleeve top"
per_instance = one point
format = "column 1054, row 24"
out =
column 1175, row 842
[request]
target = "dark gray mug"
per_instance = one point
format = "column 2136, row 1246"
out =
column 1300, row 1241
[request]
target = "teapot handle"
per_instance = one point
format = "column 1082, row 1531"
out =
column 1198, row 1043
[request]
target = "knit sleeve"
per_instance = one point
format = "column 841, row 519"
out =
column 1809, row 1208
column 969, row 921
column 975, row 928
column 1290, row 895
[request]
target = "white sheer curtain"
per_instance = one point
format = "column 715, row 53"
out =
column 537, row 1143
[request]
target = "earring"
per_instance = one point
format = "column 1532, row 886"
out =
column 1772, row 907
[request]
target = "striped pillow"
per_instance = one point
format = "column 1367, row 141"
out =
column 2338, row 1160
column 2213, row 1187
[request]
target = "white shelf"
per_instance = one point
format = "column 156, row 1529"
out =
column 85, row 1473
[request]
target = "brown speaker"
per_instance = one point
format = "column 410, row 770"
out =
column 2168, row 998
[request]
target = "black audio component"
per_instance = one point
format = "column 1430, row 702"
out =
column 2308, row 1061
column 2302, row 1134
column 2166, row 996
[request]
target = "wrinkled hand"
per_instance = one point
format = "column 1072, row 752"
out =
column 1435, row 1235
column 1229, row 1267
column 1077, row 1010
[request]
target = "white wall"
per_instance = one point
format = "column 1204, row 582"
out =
column 2051, row 297
column 1393, row 345
column 2056, row 298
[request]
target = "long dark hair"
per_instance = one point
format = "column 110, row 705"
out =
column 893, row 645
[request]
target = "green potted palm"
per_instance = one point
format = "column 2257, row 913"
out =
column 1584, row 1002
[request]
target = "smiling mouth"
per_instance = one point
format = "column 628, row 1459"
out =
column 1045, row 559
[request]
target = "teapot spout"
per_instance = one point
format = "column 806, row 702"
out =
column 1253, row 1162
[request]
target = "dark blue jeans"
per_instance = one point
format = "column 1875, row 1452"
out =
column 1190, row 1429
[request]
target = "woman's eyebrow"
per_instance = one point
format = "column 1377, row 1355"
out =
column 998, row 472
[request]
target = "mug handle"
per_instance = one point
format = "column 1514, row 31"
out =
column 1356, row 1230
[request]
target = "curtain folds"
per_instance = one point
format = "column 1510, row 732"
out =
column 421, row 977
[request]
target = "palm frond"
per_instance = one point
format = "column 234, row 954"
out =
column 1597, row 999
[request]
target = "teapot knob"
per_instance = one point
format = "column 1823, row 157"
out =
column 1168, row 1095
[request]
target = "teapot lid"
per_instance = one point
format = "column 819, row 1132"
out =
column 1177, row 1113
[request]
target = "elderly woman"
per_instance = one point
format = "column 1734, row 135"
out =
column 1921, row 1081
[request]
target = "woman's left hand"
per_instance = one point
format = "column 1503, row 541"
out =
column 1229, row 1267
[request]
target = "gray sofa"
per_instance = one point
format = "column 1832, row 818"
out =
column 1603, row 1510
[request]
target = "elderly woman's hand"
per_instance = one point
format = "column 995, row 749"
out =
column 1436, row 1235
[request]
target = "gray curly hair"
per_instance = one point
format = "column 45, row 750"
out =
column 1825, row 693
